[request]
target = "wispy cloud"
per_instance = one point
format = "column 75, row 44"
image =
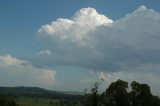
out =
column 16, row 72
column 44, row 53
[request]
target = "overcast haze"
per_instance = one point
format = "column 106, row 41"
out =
column 68, row 45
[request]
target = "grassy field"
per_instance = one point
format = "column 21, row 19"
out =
column 25, row 101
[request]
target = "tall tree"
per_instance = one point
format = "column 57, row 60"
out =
column 141, row 94
column 118, row 92
column 92, row 98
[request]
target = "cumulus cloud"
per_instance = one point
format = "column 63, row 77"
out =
column 16, row 72
column 76, row 29
column 92, row 40
column 8, row 60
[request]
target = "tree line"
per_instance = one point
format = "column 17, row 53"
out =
column 117, row 94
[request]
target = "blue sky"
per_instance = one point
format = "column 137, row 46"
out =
column 20, row 19
column 25, row 39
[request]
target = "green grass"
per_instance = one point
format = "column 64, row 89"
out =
column 28, row 101
column 24, row 101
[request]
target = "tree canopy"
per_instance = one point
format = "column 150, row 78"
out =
column 117, row 94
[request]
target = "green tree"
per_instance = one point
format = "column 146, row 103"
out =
column 135, row 93
column 92, row 97
column 117, row 93
column 141, row 94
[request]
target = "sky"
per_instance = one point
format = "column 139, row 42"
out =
column 68, row 45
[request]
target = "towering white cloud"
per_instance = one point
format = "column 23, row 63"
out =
column 15, row 72
column 74, row 30
column 91, row 40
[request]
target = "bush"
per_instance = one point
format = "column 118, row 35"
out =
column 6, row 100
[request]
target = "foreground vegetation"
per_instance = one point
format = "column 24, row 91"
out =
column 30, row 101
column 117, row 94
column 6, row 100
column 25, row 101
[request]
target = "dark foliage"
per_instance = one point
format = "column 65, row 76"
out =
column 6, row 100
column 117, row 94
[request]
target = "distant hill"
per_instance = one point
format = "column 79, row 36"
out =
column 38, row 92
column 22, row 89
column 27, row 91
